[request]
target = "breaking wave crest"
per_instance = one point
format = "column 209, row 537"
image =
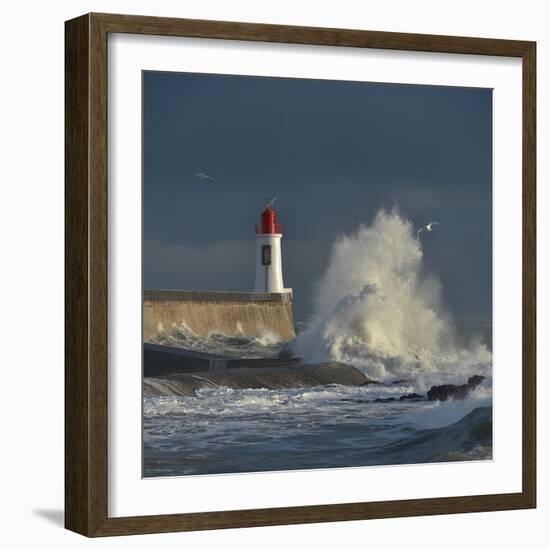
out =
column 378, row 309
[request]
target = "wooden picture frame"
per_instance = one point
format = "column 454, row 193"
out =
column 86, row 283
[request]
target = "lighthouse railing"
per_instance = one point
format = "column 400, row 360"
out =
column 267, row 229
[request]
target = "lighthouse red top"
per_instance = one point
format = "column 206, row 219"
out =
column 268, row 225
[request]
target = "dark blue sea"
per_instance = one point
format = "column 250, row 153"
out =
column 222, row 430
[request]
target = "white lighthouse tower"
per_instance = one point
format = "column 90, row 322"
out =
column 269, row 268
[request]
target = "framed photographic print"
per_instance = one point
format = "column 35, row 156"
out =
column 300, row 275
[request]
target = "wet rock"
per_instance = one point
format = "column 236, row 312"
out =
column 412, row 397
column 406, row 397
column 475, row 381
column 453, row 391
column 286, row 353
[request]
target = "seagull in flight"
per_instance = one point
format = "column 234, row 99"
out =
column 204, row 177
column 429, row 227
column 270, row 201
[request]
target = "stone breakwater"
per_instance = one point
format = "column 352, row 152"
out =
column 272, row 378
column 251, row 314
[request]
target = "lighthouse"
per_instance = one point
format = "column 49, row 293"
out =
column 269, row 268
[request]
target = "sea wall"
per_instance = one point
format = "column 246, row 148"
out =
column 297, row 376
column 205, row 312
column 160, row 360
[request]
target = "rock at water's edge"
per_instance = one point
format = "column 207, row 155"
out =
column 412, row 397
column 452, row 391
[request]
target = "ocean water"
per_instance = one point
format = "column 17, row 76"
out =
column 227, row 430
column 224, row 430
column 376, row 308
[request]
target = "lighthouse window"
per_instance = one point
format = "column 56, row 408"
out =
column 266, row 254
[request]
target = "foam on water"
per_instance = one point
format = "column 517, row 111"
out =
column 267, row 344
column 228, row 430
column 436, row 414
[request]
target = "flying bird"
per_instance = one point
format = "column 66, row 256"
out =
column 270, row 201
column 429, row 227
column 204, row 177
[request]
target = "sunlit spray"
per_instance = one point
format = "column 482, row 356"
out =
column 378, row 309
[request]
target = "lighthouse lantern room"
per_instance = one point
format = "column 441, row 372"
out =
column 269, row 269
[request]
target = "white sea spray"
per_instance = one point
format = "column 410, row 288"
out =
column 377, row 308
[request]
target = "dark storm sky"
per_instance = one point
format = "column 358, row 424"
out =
column 333, row 153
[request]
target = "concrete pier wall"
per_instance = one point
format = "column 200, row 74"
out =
column 159, row 360
column 297, row 376
column 204, row 312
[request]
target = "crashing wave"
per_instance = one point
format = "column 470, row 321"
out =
column 378, row 309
